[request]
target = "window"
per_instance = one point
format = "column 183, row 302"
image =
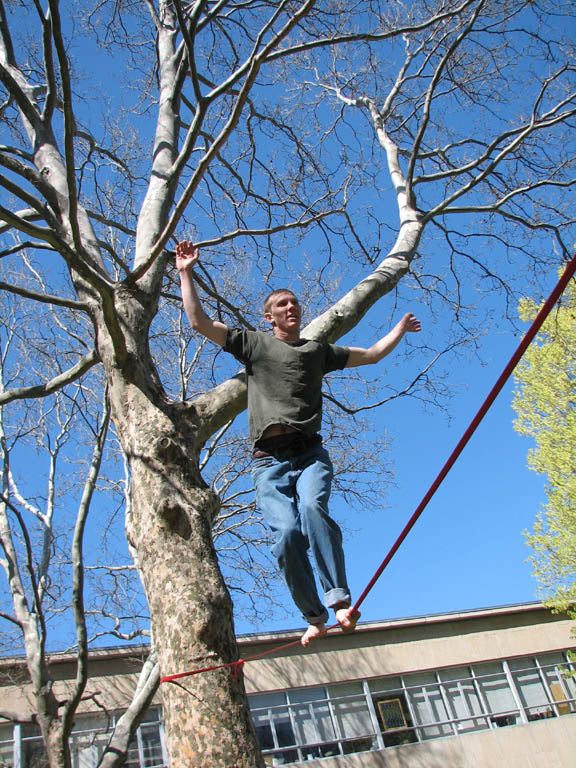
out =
column 561, row 682
column 395, row 720
column 392, row 714
column 146, row 748
column 32, row 751
column 21, row 746
column 462, row 695
column 274, row 727
column 532, row 690
column 6, row 744
column 313, row 722
column 392, row 711
column 428, row 705
column 351, row 711
column 495, row 689
column 353, row 717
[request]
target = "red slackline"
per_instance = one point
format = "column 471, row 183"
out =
column 506, row 373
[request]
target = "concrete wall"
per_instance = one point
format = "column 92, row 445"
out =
column 543, row 744
column 112, row 678
column 409, row 645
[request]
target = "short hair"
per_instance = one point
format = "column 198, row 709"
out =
column 277, row 292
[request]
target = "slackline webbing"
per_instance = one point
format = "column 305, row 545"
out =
column 505, row 375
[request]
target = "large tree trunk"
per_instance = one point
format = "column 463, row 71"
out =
column 56, row 751
column 207, row 719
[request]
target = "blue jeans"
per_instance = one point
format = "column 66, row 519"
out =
column 292, row 496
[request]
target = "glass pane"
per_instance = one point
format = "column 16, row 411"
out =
column 464, row 704
column 91, row 723
column 569, row 681
column 312, row 719
column 353, row 716
column 132, row 755
column 265, row 736
column 306, row 694
column 532, row 694
column 85, row 746
column 561, row 692
column 273, row 727
column 384, row 684
column 394, row 718
column 428, row 707
column 284, row 732
column 497, row 693
column 86, row 758
column 526, row 662
column 82, row 750
column 345, row 689
column 6, row 745
column 34, row 754
column 265, row 700
column 283, row 758
column 151, row 745
column 454, row 673
column 359, row 745
column 152, row 715
column 419, row 679
column 6, row 754
column 560, row 679
column 324, row 750
column 313, row 722
column 557, row 658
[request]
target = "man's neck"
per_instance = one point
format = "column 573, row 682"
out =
column 287, row 335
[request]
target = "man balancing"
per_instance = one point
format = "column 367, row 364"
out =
column 292, row 471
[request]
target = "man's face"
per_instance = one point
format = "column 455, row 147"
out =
column 284, row 313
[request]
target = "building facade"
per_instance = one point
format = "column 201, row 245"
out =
column 477, row 689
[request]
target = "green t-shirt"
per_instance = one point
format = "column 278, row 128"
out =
column 284, row 378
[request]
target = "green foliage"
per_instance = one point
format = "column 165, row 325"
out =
column 544, row 403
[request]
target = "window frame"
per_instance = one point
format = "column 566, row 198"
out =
column 378, row 690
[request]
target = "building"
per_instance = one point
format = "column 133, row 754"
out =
column 476, row 689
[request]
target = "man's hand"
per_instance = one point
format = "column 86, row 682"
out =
column 187, row 254
column 410, row 324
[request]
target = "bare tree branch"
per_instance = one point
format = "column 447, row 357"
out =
column 78, row 599
column 43, row 390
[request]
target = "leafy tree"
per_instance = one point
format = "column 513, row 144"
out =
column 545, row 406
column 265, row 132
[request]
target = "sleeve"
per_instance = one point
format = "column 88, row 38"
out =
column 241, row 343
column 335, row 358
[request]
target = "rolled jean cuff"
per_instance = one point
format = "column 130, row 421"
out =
column 337, row 596
column 322, row 619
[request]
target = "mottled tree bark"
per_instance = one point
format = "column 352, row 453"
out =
column 170, row 526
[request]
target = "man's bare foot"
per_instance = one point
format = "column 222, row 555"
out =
column 347, row 618
column 313, row 631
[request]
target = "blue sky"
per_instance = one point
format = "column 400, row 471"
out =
column 468, row 549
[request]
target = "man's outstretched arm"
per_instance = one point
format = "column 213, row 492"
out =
column 186, row 256
column 375, row 353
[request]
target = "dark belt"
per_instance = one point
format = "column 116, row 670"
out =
column 284, row 447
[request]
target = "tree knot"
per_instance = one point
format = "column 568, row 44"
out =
column 167, row 450
column 175, row 518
